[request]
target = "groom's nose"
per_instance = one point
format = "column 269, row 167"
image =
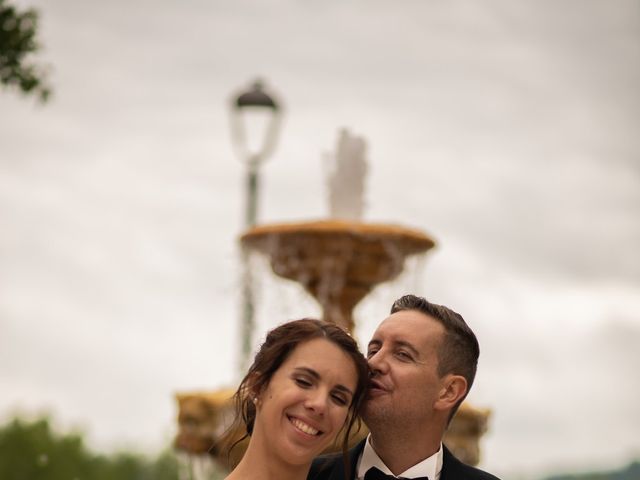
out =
column 378, row 363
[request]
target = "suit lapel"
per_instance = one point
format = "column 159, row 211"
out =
column 354, row 455
column 451, row 466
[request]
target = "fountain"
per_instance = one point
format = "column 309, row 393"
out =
column 338, row 262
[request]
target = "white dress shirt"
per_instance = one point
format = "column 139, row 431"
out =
column 429, row 467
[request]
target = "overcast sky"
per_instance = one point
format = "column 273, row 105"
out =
column 507, row 130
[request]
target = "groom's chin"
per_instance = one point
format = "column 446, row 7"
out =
column 373, row 411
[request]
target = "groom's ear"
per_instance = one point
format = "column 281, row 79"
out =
column 453, row 388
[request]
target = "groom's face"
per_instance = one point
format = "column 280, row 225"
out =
column 403, row 357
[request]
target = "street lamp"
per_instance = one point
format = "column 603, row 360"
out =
column 255, row 123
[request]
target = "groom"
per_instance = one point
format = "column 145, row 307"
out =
column 423, row 360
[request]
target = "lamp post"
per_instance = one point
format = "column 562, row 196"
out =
column 255, row 122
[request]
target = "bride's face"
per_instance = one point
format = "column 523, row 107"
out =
column 306, row 402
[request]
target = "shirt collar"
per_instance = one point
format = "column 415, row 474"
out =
column 429, row 467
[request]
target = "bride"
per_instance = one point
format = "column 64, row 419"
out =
column 305, row 386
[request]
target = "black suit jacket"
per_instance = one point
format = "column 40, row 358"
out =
column 331, row 467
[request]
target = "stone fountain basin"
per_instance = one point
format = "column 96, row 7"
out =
column 337, row 262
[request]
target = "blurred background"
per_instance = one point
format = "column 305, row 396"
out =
column 507, row 130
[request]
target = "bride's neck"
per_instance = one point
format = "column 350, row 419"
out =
column 257, row 464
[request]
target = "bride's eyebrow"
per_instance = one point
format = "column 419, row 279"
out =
column 311, row 372
column 344, row 389
column 308, row 371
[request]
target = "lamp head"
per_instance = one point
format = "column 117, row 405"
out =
column 256, row 97
column 255, row 122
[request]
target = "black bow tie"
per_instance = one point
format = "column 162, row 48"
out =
column 375, row 474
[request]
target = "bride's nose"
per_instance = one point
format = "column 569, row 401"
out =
column 316, row 401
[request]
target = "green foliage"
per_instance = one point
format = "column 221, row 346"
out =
column 17, row 41
column 32, row 451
